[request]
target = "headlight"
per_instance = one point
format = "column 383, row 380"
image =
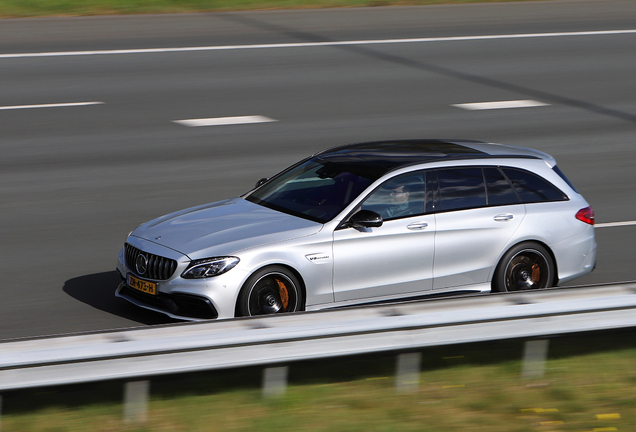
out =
column 208, row 267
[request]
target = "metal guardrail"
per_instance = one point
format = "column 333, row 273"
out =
column 189, row 347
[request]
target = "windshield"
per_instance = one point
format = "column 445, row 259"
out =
column 317, row 189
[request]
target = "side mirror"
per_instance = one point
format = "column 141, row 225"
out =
column 365, row 219
column 261, row 182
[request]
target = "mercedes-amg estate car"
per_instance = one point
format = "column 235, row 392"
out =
column 364, row 223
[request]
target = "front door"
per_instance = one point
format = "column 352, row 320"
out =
column 394, row 259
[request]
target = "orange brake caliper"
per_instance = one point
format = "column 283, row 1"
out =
column 284, row 295
column 536, row 272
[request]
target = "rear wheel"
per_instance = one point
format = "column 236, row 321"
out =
column 269, row 291
column 526, row 266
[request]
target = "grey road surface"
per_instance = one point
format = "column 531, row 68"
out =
column 74, row 180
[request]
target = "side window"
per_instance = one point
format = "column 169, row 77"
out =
column 500, row 191
column 532, row 188
column 461, row 188
column 399, row 197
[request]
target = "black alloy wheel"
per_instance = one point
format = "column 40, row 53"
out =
column 527, row 266
column 269, row 291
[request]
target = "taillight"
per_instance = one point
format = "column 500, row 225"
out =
column 586, row 215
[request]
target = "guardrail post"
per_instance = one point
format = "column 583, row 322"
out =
column 274, row 381
column 408, row 372
column 535, row 355
column 136, row 401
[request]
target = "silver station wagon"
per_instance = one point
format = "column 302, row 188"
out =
column 365, row 223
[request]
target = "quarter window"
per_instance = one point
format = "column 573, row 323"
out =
column 532, row 188
column 461, row 188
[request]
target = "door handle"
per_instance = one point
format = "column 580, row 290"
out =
column 503, row 217
column 417, row 225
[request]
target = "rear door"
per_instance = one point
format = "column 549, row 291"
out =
column 477, row 213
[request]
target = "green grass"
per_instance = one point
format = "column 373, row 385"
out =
column 481, row 391
column 30, row 8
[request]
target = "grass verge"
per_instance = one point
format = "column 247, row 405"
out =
column 475, row 389
column 32, row 8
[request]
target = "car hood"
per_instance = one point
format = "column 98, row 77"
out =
column 223, row 228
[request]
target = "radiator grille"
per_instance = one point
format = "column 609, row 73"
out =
column 157, row 267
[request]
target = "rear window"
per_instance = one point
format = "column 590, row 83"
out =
column 532, row 188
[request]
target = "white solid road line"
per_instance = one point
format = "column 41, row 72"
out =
column 500, row 105
column 614, row 224
column 319, row 44
column 58, row 105
column 222, row 121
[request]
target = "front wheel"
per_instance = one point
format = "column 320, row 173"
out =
column 526, row 266
column 269, row 291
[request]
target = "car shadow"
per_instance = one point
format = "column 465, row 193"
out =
column 98, row 291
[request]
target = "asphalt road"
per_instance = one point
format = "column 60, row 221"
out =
column 74, row 180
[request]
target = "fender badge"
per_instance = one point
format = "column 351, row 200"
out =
column 317, row 257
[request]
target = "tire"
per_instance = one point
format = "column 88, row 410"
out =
column 271, row 290
column 526, row 266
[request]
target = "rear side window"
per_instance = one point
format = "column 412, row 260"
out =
column 500, row 191
column 532, row 188
column 461, row 188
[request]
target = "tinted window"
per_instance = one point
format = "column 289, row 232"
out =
column 313, row 190
column 461, row 188
column 400, row 197
column 500, row 191
column 532, row 188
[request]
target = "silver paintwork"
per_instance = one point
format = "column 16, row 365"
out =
column 431, row 253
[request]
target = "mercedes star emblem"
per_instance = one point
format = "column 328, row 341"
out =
column 141, row 264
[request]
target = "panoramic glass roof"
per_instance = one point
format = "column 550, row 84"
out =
column 381, row 157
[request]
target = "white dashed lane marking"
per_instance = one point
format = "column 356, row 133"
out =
column 222, row 121
column 500, row 105
column 57, row 105
column 614, row 224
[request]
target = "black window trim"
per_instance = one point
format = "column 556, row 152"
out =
column 437, row 203
column 432, row 192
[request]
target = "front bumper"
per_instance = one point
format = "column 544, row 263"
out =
column 185, row 299
column 176, row 305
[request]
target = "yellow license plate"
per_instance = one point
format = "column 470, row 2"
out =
column 142, row 285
